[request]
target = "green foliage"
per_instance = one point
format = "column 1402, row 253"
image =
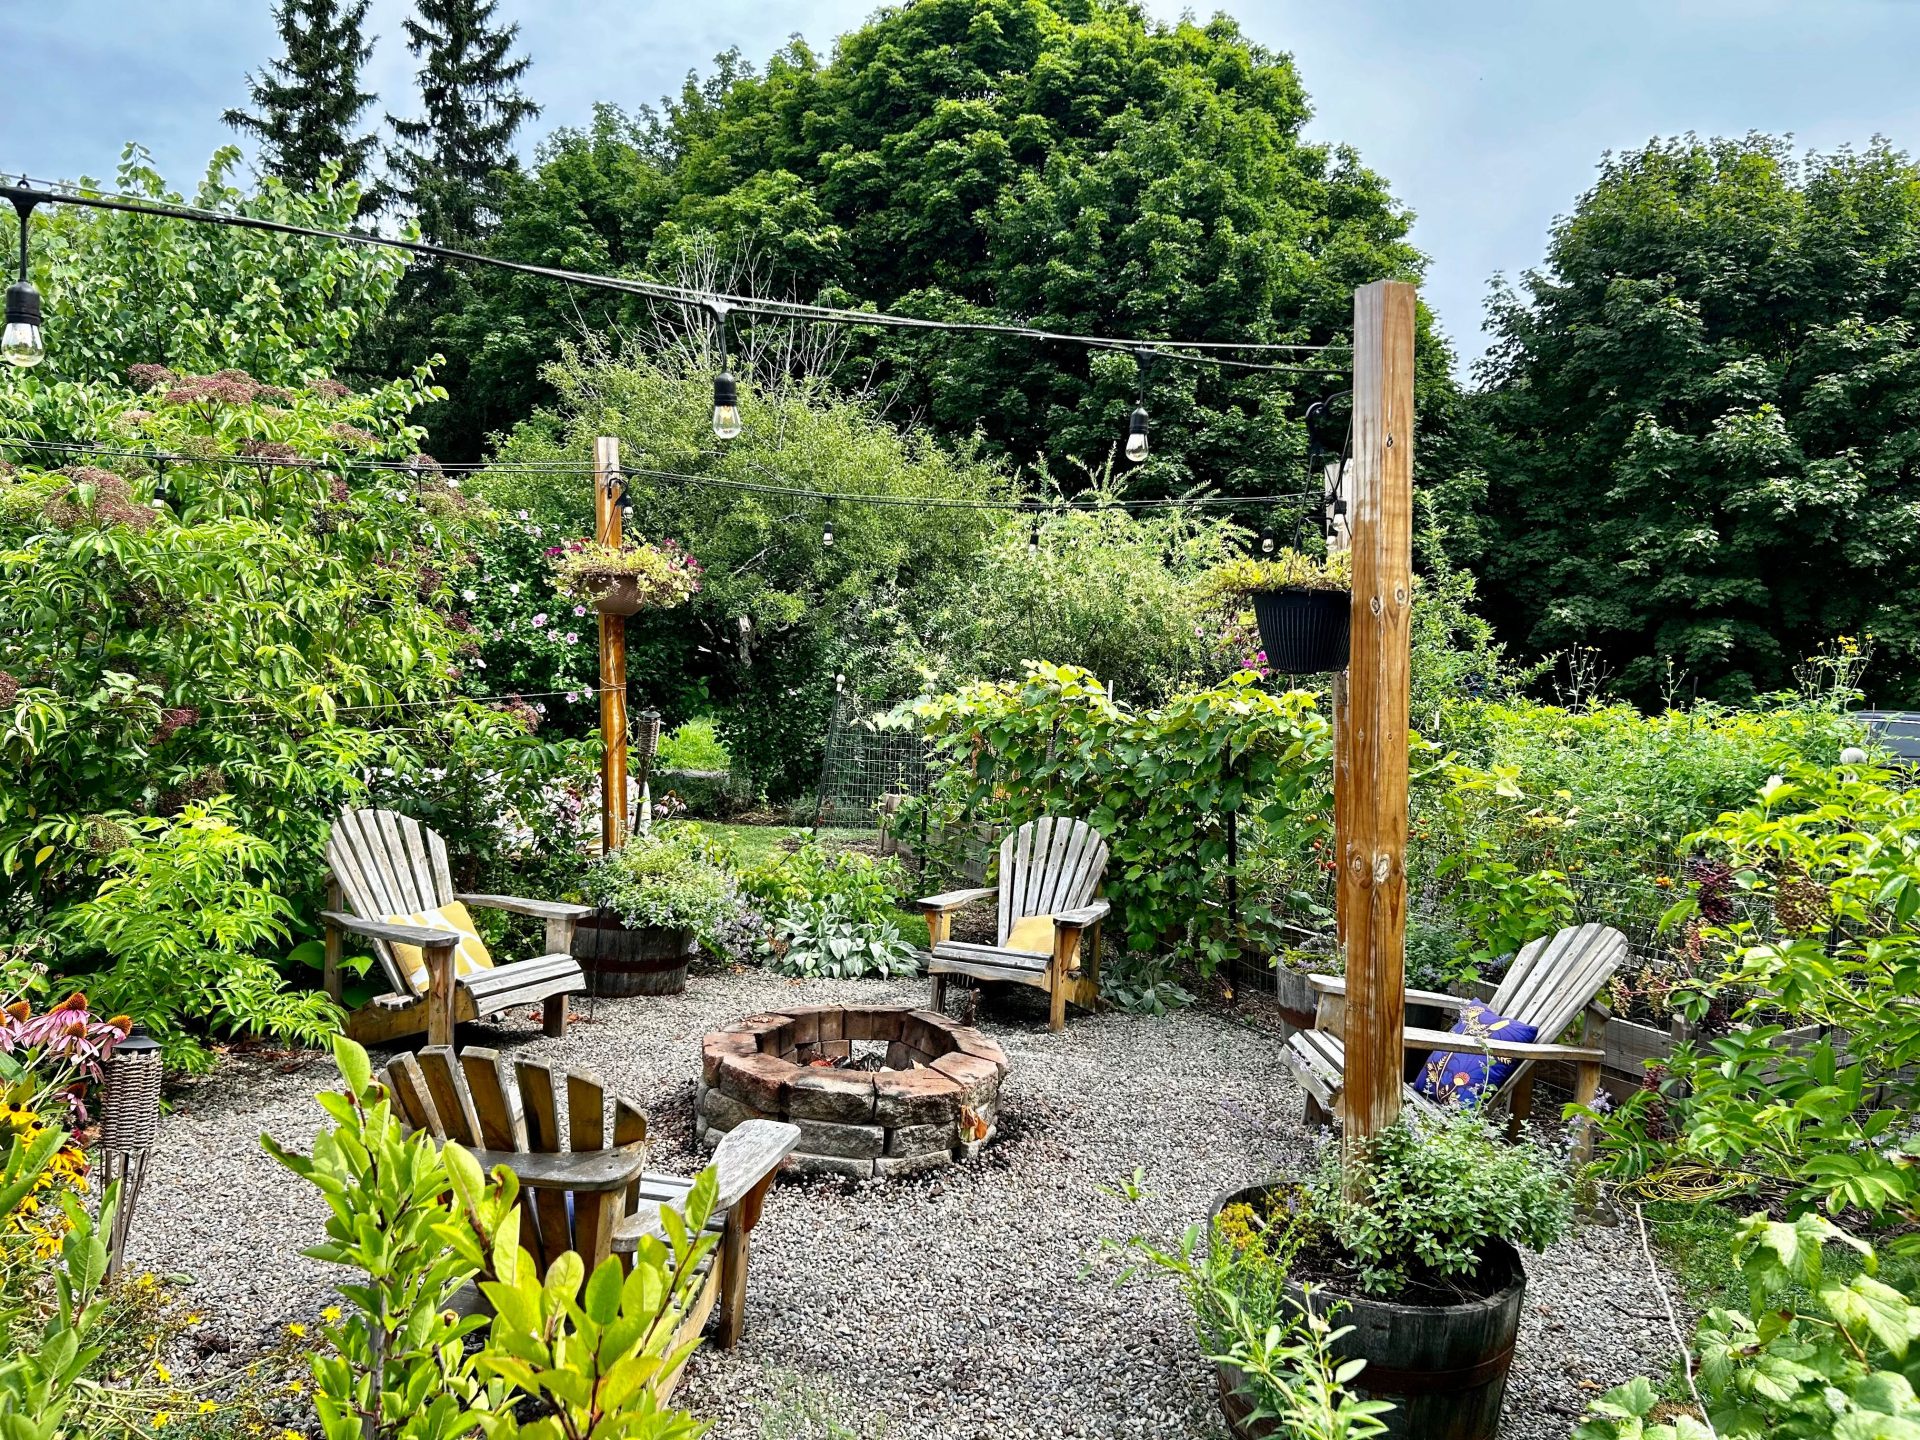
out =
column 123, row 290
column 663, row 575
column 868, row 887
column 1157, row 784
column 668, row 877
column 44, row 1365
column 188, row 905
column 1286, row 569
column 1814, row 1355
column 824, row 939
column 1698, row 417
column 419, row 1222
column 1435, row 1195
column 1106, row 591
column 1142, row 984
column 1017, row 160
column 778, row 611
column 1822, row 1125
column 309, row 100
column 692, row 746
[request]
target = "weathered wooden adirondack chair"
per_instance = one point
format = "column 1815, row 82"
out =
column 383, row 866
column 587, row 1188
column 1049, row 871
column 1552, row 982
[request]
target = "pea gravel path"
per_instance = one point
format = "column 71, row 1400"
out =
column 960, row 1305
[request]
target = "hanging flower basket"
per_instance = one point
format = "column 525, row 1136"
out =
column 1304, row 632
column 1301, row 603
column 627, row 578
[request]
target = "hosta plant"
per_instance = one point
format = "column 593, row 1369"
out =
column 821, row 939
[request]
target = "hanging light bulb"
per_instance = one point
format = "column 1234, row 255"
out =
column 21, row 343
column 1266, row 544
column 826, row 533
column 1137, row 434
column 1033, row 542
column 726, row 405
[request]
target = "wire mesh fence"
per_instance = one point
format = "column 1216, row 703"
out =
column 865, row 762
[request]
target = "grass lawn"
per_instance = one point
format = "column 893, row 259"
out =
column 756, row 845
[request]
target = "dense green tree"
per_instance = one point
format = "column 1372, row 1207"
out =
column 448, row 163
column 308, row 103
column 1700, row 420
column 1066, row 162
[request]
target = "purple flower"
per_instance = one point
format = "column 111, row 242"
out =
column 579, row 609
column 573, row 637
column 540, row 620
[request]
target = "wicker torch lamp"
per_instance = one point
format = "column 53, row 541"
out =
column 129, row 1125
column 648, row 737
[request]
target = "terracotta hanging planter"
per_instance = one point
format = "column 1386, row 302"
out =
column 1304, row 632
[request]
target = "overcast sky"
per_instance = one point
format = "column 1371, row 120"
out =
column 1487, row 118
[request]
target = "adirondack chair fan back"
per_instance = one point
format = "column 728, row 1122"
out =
column 385, row 864
column 1048, row 867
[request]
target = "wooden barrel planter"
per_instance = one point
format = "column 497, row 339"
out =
column 1304, row 632
column 1442, row 1367
column 650, row 960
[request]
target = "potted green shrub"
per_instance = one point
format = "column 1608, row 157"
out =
column 1420, row 1272
column 627, row 578
column 1302, row 605
column 656, row 899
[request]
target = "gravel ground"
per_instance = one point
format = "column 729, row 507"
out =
column 957, row 1305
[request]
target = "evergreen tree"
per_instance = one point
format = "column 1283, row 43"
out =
column 447, row 164
column 309, row 101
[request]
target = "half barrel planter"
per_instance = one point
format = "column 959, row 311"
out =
column 643, row 960
column 938, row 1102
column 1443, row 1368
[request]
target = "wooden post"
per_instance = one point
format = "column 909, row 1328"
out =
column 613, row 660
column 1370, row 779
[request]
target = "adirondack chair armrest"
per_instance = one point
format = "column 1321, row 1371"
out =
column 1337, row 985
column 582, row 1171
column 1091, row 913
column 540, row 909
column 1419, row 1039
column 748, row 1154
column 954, row 899
column 425, row 936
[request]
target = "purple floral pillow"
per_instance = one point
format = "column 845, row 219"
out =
column 1466, row 1077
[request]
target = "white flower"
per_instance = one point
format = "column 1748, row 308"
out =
column 478, row 663
column 573, row 637
column 579, row 609
column 453, row 482
column 469, row 595
column 539, row 707
column 540, row 620
column 514, row 588
column 519, row 514
column 536, row 532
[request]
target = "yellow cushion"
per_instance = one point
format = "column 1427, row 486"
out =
column 1031, row 932
column 470, row 955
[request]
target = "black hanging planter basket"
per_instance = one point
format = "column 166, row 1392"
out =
column 1304, row 632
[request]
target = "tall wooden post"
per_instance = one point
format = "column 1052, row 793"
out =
column 1370, row 779
column 613, row 658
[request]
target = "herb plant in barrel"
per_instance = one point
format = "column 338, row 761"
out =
column 1301, row 603
column 1407, row 1297
column 656, row 899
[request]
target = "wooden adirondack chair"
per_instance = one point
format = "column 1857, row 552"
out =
column 1048, row 867
column 383, row 864
column 1552, row 982
column 587, row 1188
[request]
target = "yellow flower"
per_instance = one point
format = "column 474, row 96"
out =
column 297, row 1330
column 160, row 1419
column 330, row 1314
column 297, row 1386
column 207, row 1407
column 162, row 1373
column 196, row 1318
column 291, row 1435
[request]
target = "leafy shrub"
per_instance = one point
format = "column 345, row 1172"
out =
column 824, row 939
column 1157, row 784
column 1142, row 984
column 693, row 746
column 420, row 1221
column 868, row 888
column 667, row 877
column 1286, row 569
column 182, row 918
column 1814, row 1356
column 1837, row 855
column 1435, row 1195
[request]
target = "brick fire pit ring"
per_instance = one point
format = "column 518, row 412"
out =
column 936, row 1101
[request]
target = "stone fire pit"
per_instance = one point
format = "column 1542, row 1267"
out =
column 877, row 1090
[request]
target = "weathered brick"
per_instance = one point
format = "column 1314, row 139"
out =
column 824, row 1137
column 978, row 1079
column 839, row 1095
column 804, row 1027
column 717, row 1047
column 875, row 1024
column 800, row 1163
column 969, row 1041
column 889, row 1166
column 832, row 1024
column 918, row 1139
column 721, row 1110
column 913, row 1097
column 899, row 1055
column 758, row 1081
